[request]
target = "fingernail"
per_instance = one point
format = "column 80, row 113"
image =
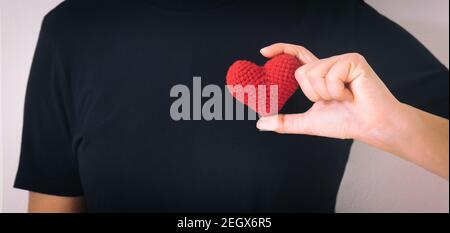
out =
column 262, row 50
column 267, row 124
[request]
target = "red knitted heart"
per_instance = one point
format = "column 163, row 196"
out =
column 277, row 71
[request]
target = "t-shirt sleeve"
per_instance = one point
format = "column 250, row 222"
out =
column 47, row 160
column 409, row 70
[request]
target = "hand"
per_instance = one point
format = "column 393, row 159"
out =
column 351, row 102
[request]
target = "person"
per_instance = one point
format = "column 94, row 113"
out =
column 351, row 101
column 98, row 136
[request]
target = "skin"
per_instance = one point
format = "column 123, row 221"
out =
column 43, row 203
column 351, row 102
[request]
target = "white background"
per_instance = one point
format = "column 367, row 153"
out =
column 374, row 181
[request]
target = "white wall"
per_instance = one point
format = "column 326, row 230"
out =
column 20, row 24
column 374, row 181
column 1, row 122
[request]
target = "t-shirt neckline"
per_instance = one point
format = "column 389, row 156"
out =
column 183, row 5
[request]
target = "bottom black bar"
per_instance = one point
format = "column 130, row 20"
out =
column 227, row 222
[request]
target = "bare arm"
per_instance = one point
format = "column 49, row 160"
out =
column 44, row 203
column 419, row 137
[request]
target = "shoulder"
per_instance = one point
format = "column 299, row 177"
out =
column 72, row 23
column 63, row 13
column 74, row 17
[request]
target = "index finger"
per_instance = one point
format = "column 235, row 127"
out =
column 304, row 55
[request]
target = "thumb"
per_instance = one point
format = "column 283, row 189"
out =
column 288, row 124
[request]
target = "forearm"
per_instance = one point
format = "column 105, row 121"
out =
column 419, row 137
column 44, row 203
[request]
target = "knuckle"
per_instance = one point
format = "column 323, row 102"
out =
column 310, row 74
column 333, row 79
column 310, row 96
column 332, row 85
column 308, row 125
column 336, row 93
column 329, row 78
column 302, row 83
column 314, row 98
column 313, row 78
column 282, row 125
column 300, row 47
column 300, row 72
column 355, row 57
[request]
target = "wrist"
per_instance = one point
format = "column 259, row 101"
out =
column 403, row 130
column 414, row 135
column 390, row 133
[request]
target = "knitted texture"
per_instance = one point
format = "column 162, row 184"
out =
column 251, row 83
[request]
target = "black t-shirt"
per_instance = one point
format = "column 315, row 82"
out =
column 97, row 119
